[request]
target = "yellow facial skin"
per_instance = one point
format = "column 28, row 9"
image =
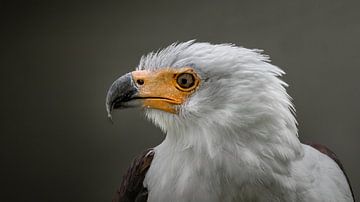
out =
column 166, row 88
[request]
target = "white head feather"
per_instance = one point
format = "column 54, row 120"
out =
column 240, row 90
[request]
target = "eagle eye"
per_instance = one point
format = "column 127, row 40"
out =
column 186, row 80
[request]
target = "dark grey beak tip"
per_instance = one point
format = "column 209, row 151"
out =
column 110, row 118
column 109, row 109
column 120, row 92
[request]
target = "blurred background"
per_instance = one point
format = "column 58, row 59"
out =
column 59, row 58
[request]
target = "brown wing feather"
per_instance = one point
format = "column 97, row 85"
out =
column 323, row 149
column 131, row 188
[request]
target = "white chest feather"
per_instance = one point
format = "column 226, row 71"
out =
column 186, row 176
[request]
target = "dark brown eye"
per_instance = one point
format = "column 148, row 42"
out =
column 186, row 80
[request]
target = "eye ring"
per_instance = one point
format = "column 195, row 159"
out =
column 186, row 80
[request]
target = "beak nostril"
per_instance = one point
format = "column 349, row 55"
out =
column 140, row 81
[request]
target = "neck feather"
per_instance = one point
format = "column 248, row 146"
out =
column 270, row 145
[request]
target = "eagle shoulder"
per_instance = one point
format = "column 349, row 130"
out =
column 325, row 150
column 131, row 188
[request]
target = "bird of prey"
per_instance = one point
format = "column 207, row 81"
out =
column 231, row 134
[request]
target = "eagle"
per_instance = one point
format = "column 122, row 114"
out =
column 231, row 131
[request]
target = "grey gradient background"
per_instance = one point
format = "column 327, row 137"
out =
column 59, row 58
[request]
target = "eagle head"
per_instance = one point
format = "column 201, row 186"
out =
column 188, row 88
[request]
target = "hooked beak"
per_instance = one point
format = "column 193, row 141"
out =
column 121, row 94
